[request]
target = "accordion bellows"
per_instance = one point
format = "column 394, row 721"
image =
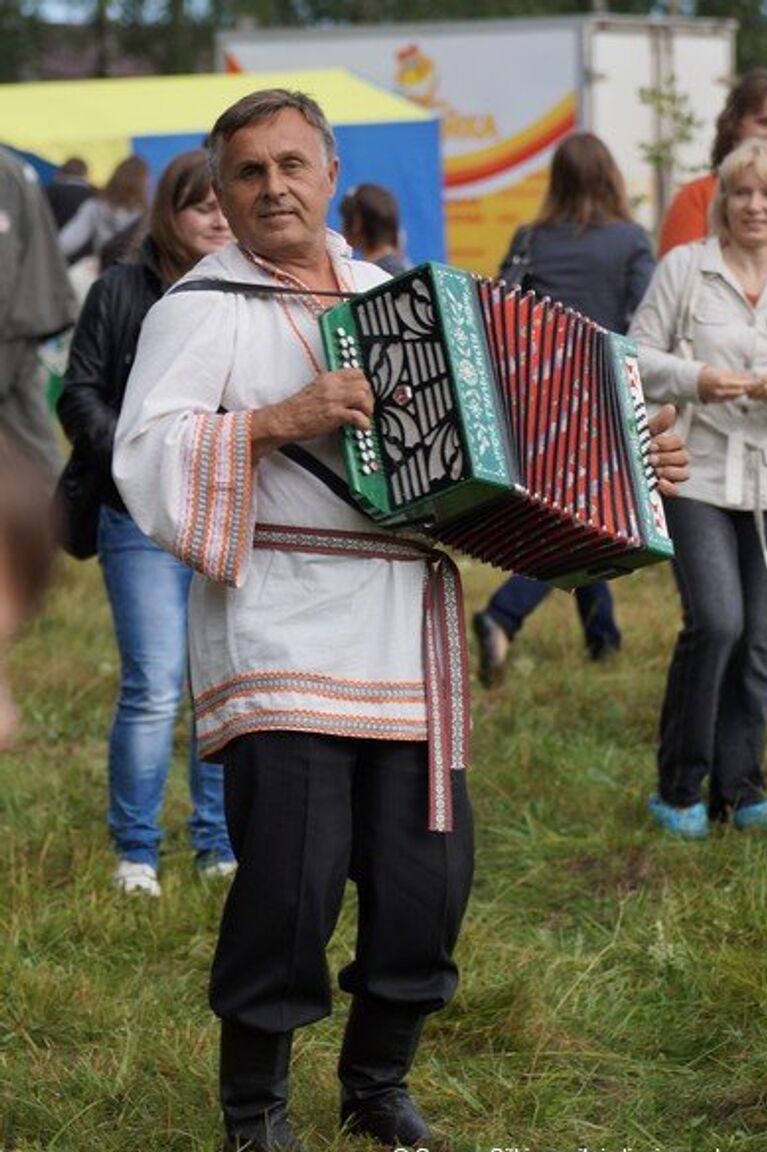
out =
column 506, row 426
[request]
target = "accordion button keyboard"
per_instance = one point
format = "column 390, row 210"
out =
column 366, row 450
column 347, row 349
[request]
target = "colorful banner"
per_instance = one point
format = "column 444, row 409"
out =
column 505, row 98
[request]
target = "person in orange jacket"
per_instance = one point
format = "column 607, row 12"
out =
column 744, row 115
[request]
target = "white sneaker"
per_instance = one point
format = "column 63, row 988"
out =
column 217, row 869
column 130, row 876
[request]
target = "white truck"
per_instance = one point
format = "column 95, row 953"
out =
column 508, row 90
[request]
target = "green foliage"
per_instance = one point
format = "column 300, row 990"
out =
column 752, row 28
column 674, row 124
column 614, row 986
column 678, row 125
column 19, row 38
column 177, row 35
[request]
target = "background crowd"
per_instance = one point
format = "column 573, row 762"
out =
column 699, row 332
column 700, row 325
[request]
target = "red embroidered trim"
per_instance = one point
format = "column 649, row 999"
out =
column 410, row 690
column 300, row 720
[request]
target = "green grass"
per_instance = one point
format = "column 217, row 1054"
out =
column 614, row 991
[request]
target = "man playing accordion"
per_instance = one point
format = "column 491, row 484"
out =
column 316, row 659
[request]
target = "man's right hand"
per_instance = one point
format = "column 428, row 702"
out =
column 329, row 401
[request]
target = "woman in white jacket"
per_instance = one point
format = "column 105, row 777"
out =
column 123, row 202
column 702, row 336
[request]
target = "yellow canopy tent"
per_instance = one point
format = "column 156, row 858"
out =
column 381, row 137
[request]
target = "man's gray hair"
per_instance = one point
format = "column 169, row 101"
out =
column 263, row 105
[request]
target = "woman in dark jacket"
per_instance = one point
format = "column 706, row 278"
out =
column 147, row 587
column 370, row 223
column 584, row 250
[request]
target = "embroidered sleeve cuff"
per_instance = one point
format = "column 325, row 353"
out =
column 218, row 515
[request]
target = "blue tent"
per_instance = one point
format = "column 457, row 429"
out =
column 44, row 168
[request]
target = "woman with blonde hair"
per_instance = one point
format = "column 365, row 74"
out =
column 584, row 250
column 147, row 587
column 700, row 331
column 121, row 203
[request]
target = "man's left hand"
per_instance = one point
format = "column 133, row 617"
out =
column 668, row 452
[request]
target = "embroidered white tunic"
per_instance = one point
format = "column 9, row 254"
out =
column 286, row 640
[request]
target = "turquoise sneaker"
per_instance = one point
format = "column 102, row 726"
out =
column 751, row 816
column 690, row 823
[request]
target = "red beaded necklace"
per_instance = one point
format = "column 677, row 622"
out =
column 311, row 303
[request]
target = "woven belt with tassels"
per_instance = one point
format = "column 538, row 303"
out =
column 444, row 642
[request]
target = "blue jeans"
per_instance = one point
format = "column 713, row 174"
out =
column 519, row 596
column 713, row 718
column 148, row 591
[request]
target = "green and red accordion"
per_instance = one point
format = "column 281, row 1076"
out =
column 506, row 426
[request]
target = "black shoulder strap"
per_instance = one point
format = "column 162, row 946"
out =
column 243, row 288
column 526, row 241
column 293, row 452
column 326, row 475
column 516, row 263
column 320, row 471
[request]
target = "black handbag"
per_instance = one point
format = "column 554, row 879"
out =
column 516, row 266
column 76, row 504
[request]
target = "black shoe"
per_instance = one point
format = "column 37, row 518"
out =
column 493, row 649
column 254, row 1089
column 380, row 1043
column 275, row 1135
column 390, row 1118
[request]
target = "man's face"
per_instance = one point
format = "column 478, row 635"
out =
column 275, row 186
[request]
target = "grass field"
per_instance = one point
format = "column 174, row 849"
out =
column 614, row 991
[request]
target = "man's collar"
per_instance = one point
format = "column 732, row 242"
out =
column 337, row 245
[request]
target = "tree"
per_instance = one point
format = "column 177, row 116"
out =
column 177, row 35
column 752, row 30
column 19, row 38
column 677, row 124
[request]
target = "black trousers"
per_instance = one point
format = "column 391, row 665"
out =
column 305, row 812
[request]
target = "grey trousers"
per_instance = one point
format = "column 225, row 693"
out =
column 713, row 717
